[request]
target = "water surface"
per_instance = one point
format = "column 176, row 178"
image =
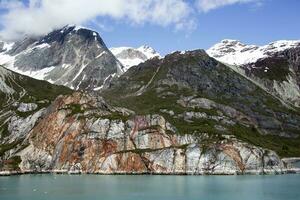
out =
column 44, row 187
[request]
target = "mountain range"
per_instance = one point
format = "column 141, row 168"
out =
column 233, row 109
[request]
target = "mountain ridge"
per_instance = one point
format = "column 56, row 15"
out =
column 234, row 52
column 274, row 67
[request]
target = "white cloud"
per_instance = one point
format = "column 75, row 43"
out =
column 42, row 16
column 208, row 5
column 39, row 17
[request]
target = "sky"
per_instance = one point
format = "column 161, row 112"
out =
column 165, row 25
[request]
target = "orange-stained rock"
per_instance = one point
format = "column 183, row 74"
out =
column 77, row 135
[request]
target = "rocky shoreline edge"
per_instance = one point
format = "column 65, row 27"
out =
column 228, row 173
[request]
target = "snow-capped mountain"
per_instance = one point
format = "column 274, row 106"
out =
column 73, row 56
column 274, row 67
column 234, row 52
column 130, row 56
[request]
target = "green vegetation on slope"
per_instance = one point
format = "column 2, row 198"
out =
column 285, row 147
column 26, row 90
column 200, row 76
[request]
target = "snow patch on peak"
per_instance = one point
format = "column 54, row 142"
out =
column 130, row 56
column 231, row 41
column 74, row 28
column 117, row 50
column 43, row 45
column 148, row 51
column 234, row 52
column 8, row 46
column 36, row 74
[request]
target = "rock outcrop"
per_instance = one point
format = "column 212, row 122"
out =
column 83, row 134
column 22, row 104
column 27, row 107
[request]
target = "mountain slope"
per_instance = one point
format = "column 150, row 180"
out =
column 73, row 56
column 274, row 67
column 22, row 103
column 16, row 87
column 130, row 56
column 197, row 94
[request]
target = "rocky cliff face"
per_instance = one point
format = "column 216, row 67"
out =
column 22, row 103
column 81, row 133
column 274, row 67
column 73, row 56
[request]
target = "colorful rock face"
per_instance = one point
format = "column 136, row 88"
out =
column 93, row 142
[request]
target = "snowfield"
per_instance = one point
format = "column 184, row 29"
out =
column 234, row 52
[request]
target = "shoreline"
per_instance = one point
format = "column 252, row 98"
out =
column 65, row 172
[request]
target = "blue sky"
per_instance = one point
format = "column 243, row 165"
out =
column 252, row 23
column 274, row 20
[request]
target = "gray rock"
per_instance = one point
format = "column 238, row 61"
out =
column 72, row 56
column 27, row 107
column 19, row 127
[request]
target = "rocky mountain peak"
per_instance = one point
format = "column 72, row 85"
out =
column 130, row 56
column 72, row 56
column 60, row 35
column 149, row 51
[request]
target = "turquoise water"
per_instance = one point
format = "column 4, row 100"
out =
column 40, row 187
